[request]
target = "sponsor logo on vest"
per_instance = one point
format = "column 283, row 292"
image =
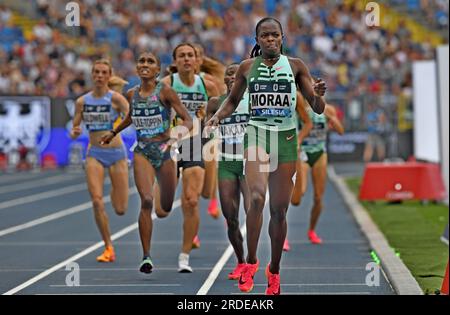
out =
column 289, row 138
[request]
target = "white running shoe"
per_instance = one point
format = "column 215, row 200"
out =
column 183, row 263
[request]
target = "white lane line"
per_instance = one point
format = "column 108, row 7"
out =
column 83, row 253
column 112, row 293
column 218, row 267
column 46, row 244
column 131, row 243
column 327, row 242
column 307, row 293
column 222, row 261
column 311, row 284
column 38, row 183
column 117, row 285
column 57, row 215
column 176, row 268
column 49, row 194
column 329, row 293
column 18, row 176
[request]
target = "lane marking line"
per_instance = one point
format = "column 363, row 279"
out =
column 81, row 254
column 57, row 215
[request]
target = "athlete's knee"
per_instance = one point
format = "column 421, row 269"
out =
column 233, row 224
column 206, row 195
column 258, row 197
column 317, row 200
column 146, row 202
column 189, row 208
column 120, row 211
column 120, row 208
column 278, row 215
column 161, row 213
column 163, row 209
column 191, row 201
column 97, row 203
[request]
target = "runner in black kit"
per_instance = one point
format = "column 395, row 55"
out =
column 194, row 93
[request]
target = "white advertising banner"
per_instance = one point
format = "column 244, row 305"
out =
column 24, row 122
column 426, row 122
column 443, row 77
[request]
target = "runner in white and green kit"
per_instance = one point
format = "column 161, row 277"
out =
column 313, row 156
column 231, row 166
column 272, row 80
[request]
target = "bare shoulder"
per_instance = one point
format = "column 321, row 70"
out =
column 116, row 96
column 213, row 105
column 164, row 85
column 80, row 101
column 210, row 84
column 130, row 92
column 330, row 110
column 166, row 80
column 166, row 89
column 246, row 64
column 213, row 99
column 297, row 64
column 209, row 77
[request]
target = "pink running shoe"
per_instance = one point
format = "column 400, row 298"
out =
column 273, row 282
column 196, row 242
column 314, row 238
column 286, row 246
column 236, row 273
column 246, row 279
column 213, row 208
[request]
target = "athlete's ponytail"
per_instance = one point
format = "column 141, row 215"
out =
column 256, row 51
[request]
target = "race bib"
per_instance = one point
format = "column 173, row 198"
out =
column 194, row 102
column 232, row 129
column 319, row 131
column 148, row 121
column 270, row 99
column 97, row 117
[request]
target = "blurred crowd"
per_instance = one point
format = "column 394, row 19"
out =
column 433, row 12
column 332, row 38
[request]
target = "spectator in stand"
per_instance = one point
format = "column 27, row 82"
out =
column 376, row 127
column 328, row 36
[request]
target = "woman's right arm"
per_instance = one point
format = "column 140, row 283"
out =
column 76, row 122
column 127, row 120
column 212, row 107
column 170, row 98
column 304, row 117
column 232, row 101
column 107, row 138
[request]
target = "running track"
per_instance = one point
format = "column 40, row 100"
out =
column 46, row 222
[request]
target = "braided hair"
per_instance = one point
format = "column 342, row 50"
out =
column 256, row 51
